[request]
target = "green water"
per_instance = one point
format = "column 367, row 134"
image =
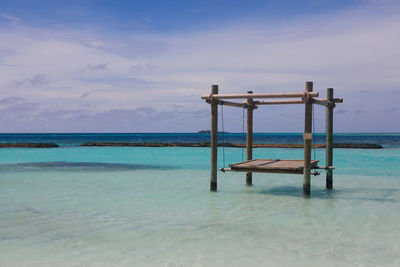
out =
column 88, row 206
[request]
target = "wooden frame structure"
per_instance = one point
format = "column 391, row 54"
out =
column 251, row 165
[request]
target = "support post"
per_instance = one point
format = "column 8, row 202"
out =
column 214, row 140
column 307, row 140
column 249, row 139
column 329, row 138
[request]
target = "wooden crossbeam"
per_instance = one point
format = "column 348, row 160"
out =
column 335, row 100
column 323, row 102
column 278, row 102
column 228, row 103
column 265, row 95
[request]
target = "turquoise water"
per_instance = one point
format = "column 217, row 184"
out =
column 75, row 139
column 132, row 206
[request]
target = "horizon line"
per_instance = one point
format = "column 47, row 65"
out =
column 2, row 133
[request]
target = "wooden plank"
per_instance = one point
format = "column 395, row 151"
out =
column 264, row 95
column 272, row 166
column 267, row 163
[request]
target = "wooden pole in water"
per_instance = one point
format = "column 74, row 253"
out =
column 307, row 140
column 249, row 139
column 214, row 140
column 329, row 138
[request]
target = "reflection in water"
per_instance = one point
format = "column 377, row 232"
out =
column 377, row 194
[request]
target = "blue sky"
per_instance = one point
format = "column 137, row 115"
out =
column 141, row 66
column 164, row 16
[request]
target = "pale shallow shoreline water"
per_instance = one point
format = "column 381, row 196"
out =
column 134, row 206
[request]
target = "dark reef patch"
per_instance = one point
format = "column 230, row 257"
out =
column 206, row 144
column 76, row 166
column 28, row 145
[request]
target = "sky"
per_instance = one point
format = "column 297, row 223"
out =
column 141, row 66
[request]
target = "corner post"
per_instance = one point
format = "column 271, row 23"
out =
column 329, row 138
column 214, row 140
column 249, row 139
column 307, row 140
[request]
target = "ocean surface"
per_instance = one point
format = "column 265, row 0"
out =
column 75, row 139
column 137, row 206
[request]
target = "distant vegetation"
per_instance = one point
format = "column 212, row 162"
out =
column 208, row 131
column 186, row 144
column 28, row 145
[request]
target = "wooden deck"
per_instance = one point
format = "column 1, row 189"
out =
column 272, row 166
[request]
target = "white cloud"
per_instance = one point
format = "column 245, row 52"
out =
column 10, row 18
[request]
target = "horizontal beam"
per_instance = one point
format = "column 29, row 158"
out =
column 335, row 100
column 278, row 102
column 324, row 168
column 266, row 95
column 322, row 102
column 326, row 103
column 227, row 103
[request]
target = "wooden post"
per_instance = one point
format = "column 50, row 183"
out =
column 249, row 139
column 307, row 140
column 214, row 140
column 329, row 138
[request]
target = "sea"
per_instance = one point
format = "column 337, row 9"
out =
column 151, row 206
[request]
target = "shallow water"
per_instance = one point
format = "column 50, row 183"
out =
column 75, row 139
column 132, row 206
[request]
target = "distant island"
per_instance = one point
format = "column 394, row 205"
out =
column 207, row 144
column 208, row 131
column 188, row 144
column 28, row 145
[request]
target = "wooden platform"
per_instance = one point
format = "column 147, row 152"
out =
column 272, row 166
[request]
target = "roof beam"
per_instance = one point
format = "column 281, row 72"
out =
column 265, row 95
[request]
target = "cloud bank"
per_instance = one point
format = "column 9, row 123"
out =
column 60, row 79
